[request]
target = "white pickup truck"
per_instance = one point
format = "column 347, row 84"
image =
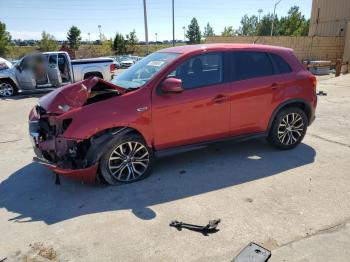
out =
column 51, row 69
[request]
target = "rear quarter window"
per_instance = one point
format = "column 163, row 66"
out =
column 281, row 65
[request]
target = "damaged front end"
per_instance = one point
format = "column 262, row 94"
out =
column 75, row 158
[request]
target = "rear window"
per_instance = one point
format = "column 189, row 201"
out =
column 282, row 66
column 251, row 64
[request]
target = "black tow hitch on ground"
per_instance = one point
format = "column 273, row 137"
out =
column 205, row 230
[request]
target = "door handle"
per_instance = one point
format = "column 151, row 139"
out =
column 220, row 99
column 275, row 85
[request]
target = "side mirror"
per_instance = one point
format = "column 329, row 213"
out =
column 19, row 68
column 172, row 85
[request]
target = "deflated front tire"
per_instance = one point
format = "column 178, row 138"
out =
column 127, row 159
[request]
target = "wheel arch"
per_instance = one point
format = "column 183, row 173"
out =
column 92, row 74
column 299, row 103
column 9, row 79
column 99, row 140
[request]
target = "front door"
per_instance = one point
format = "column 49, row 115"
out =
column 24, row 73
column 201, row 112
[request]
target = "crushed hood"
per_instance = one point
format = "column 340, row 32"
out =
column 76, row 95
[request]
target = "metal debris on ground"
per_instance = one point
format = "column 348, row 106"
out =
column 321, row 93
column 210, row 228
column 253, row 253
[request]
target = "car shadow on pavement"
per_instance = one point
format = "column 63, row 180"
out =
column 31, row 193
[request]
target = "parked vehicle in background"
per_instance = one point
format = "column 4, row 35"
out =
column 126, row 61
column 174, row 100
column 115, row 62
column 51, row 69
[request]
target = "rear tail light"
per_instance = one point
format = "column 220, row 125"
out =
column 112, row 68
column 313, row 81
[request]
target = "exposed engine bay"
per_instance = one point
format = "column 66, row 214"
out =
column 47, row 124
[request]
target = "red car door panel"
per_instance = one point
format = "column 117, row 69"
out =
column 252, row 102
column 193, row 116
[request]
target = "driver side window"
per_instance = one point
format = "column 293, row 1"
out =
column 199, row 71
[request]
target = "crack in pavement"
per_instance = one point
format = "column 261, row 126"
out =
column 328, row 140
column 333, row 228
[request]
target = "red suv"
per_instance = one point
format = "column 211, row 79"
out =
column 174, row 100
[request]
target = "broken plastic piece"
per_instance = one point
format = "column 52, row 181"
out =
column 321, row 93
column 210, row 228
column 253, row 253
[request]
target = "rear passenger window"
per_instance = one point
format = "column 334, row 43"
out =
column 201, row 70
column 250, row 64
column 282, row 66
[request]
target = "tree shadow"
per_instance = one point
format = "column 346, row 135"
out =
column 31, row 193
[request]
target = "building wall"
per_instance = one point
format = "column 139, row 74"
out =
column 346, row 56
column 305, row 48
column 329, row 17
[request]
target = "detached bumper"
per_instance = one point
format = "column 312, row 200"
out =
column 85, row 174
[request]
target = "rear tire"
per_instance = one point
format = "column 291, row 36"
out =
column 7, row 88
column 128, row 159
column 288, row 128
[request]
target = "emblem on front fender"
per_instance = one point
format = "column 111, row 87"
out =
column 142, row 109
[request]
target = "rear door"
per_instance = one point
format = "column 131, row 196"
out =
column 201, row 112
column 255, row 87
column 53, row 70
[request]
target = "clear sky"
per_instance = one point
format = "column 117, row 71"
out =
column 26, row 19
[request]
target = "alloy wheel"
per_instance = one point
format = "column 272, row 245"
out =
column 290, row 129
column 129, row 161
column 6, row 89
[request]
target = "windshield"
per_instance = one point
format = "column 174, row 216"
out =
column 140, row 73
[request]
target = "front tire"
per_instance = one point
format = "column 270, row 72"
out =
column 7, row 88
column 288, row 128
column 128, row 159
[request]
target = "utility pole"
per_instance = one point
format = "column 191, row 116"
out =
column 260, row 11
column 273, row 18
column 156, row 39
column 99, row 30
column 184, row 28
column 173, row 24
column 146, row 29
column 89, row 37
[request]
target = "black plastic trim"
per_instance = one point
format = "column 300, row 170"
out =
column 291, row 101
column 186, row 148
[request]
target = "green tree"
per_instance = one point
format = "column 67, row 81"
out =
column 208, row 31
column 5, row 40
column 264, row 26
column 47, row 42
column 294, row 24
column 248, row 25
column 73, row 37
column 119, row 46
column 228, row 31
column 131, row 40
column 193, row 32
